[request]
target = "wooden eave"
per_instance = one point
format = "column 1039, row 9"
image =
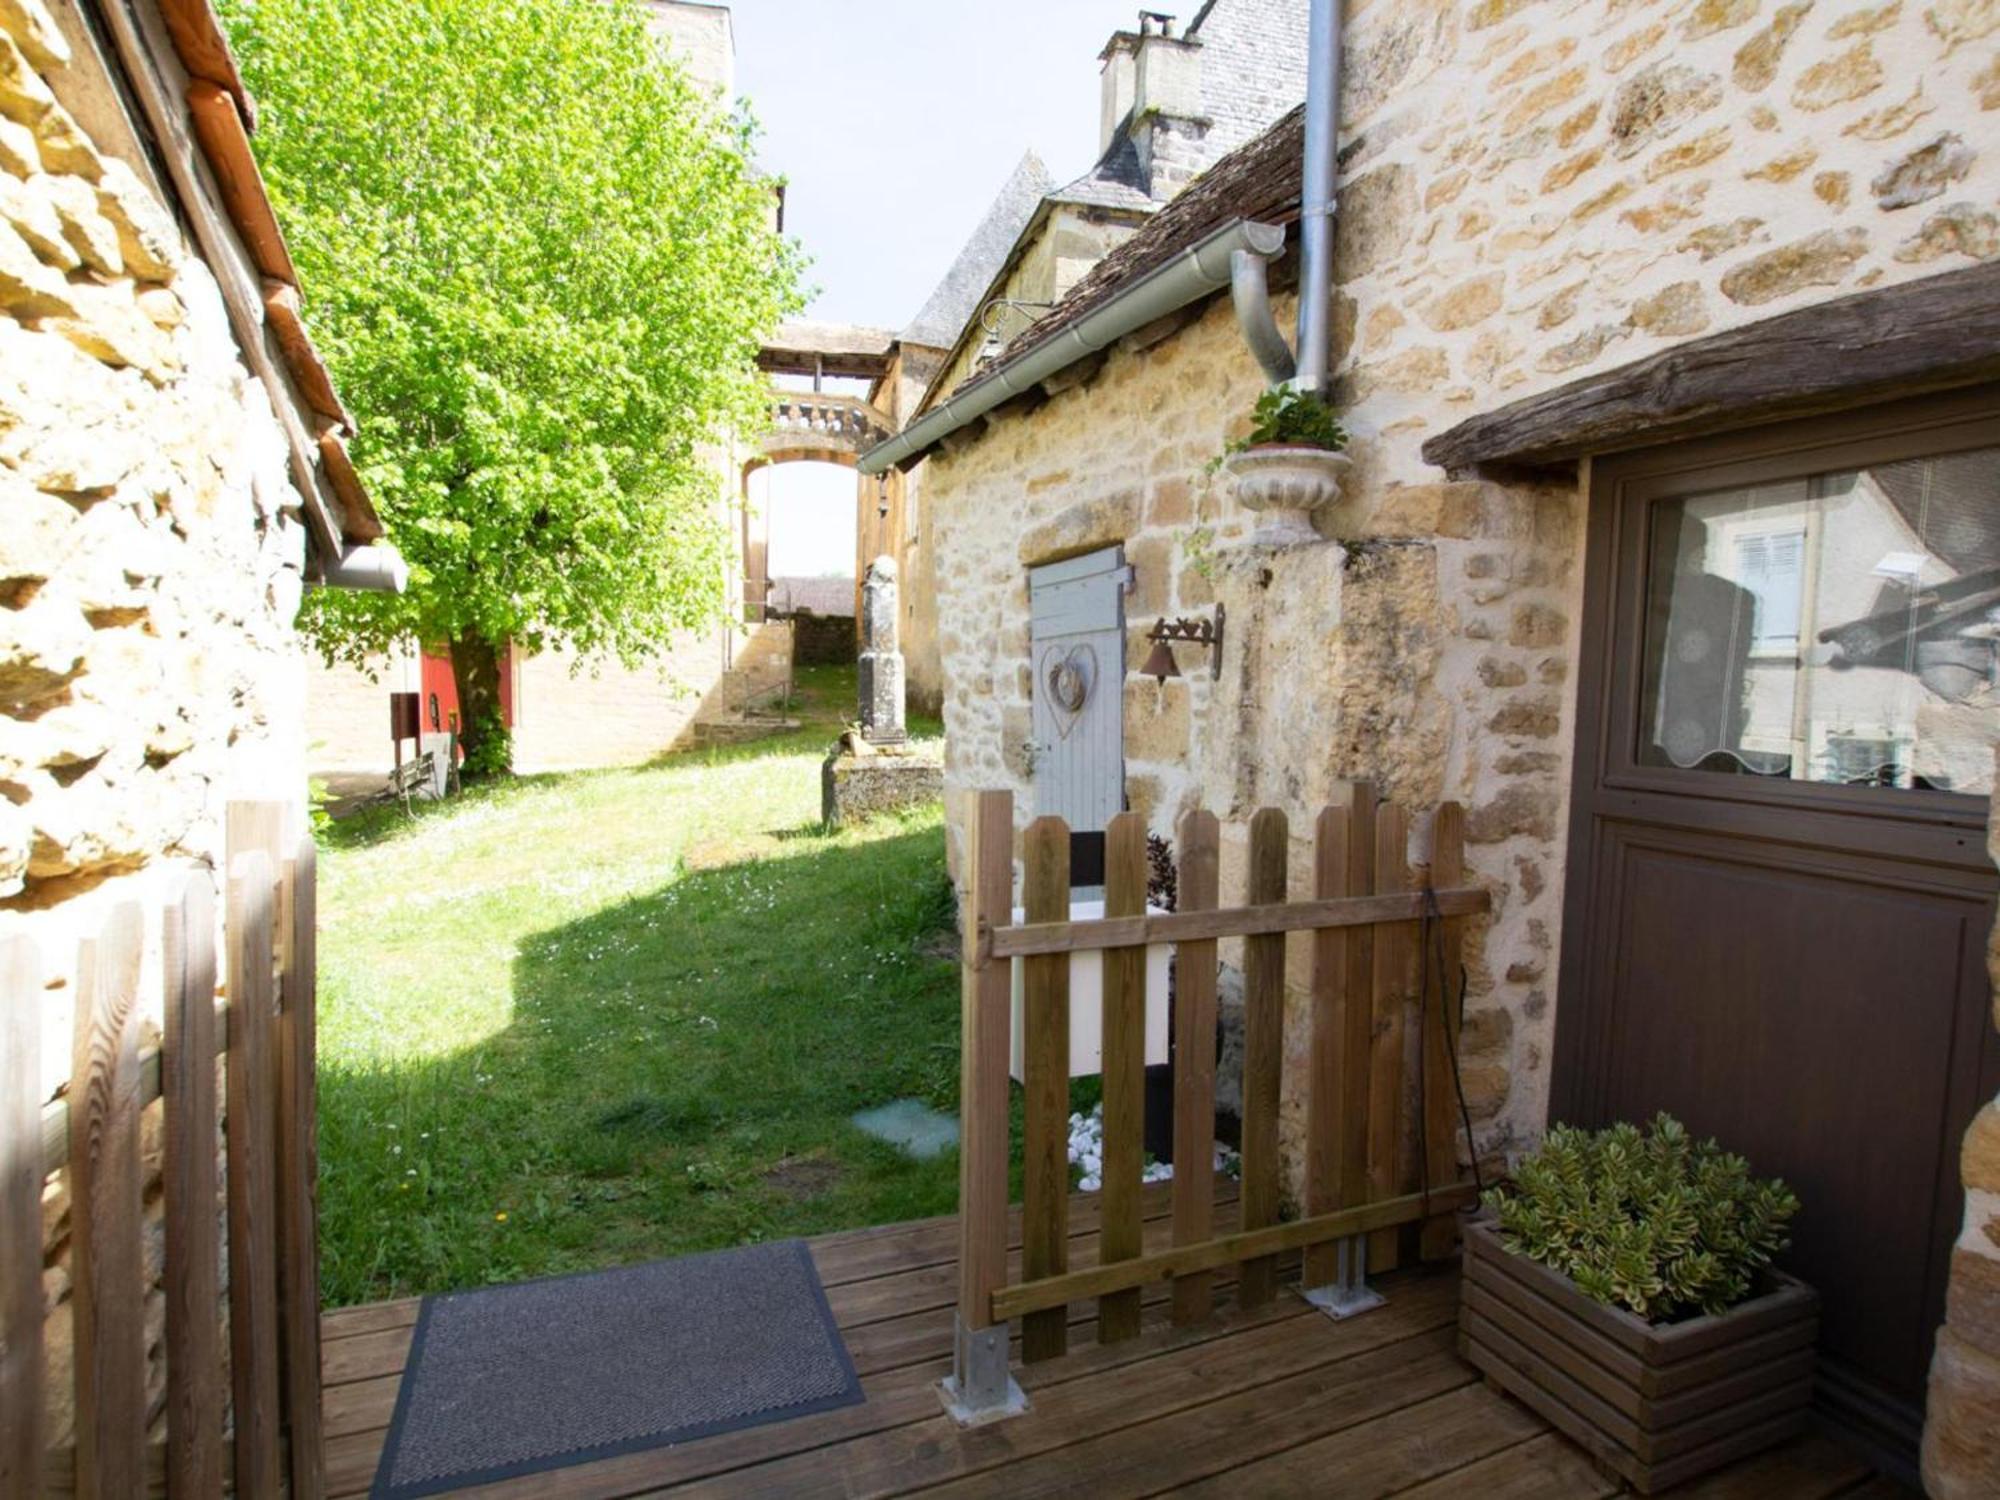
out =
column 1924, row 335
column 187, row 88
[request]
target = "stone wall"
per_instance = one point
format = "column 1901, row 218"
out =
column 1532, row 189
column 150, row 570
column 1961, row 1457
column 150, row 564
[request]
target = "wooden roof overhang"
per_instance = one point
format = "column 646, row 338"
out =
column 843, row 349
column 1924, row 335
column 183, row 82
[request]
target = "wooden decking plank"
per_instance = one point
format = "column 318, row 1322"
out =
column 1426, row 1440
column 1549, row 1467
column 1811, row 1467
column 1225, row 1425
column 843, row 1258
column 1158, row 1392
column 888, row 1405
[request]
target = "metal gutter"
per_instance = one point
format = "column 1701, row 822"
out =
column 1194, row 273
column 377, row 568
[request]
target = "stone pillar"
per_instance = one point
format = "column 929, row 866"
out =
column 1962, row 1417
column 881, row 663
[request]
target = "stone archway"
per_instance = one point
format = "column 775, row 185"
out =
column 816, row 425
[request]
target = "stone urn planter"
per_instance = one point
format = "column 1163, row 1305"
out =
column 1655, row 1403
column 1285, row 483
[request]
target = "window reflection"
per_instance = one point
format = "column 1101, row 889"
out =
column 1836, row 629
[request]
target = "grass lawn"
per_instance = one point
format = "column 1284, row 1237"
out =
column 585, row 1019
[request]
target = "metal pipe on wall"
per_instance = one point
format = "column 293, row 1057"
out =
column 1316, row 180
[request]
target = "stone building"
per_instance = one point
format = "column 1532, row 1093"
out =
column 173, row 473
column 172, row 458
column 1591, row 258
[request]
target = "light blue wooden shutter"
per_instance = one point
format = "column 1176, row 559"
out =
column 1077, row 638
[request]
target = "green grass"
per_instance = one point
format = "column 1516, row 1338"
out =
column 579, row 1020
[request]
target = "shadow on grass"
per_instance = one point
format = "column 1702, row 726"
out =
column 677, row 1075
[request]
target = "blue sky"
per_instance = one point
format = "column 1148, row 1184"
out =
column 894, row 122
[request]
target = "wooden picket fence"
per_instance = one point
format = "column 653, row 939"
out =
column 1364, row 918
column 245, row 1418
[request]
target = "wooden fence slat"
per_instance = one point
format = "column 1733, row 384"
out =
column 252, row 1078
column 984, row 1026
column 193, row 1279
column 1357, row 1006
column 1194, row 1063
column 298, row 1178
column 108, row 1287
column 1385, row 1073
column 22, row 1368
column 1045, row 1076
column 1120, row 1235
column 1263, row 1051
column 1323, row 1099
column 1439, row 1237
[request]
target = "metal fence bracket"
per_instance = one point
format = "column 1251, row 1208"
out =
column 980, row 1388
column 1349, row 1292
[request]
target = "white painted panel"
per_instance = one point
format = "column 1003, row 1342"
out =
column 1086, row 1001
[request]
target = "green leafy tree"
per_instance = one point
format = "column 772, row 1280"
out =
column 540, row 263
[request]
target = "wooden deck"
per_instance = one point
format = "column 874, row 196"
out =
column 1281, row 1401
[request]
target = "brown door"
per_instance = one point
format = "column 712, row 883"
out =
column 1779, row 891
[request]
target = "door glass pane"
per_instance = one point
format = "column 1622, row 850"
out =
column 1838, row 629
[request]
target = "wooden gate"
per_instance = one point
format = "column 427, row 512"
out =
column 88, row 1142
column 1366, row 917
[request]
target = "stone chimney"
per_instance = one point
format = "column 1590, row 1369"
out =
column 1151, row 90
column 701, row 39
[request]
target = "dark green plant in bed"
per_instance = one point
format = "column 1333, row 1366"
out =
column 1648, row 1220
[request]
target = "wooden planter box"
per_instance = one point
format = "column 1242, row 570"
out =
column 1657, row 1404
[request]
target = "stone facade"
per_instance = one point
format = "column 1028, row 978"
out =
column 1531, row 190
column 1961, row 1458
column 152, row 558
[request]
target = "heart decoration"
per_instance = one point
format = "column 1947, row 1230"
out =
column 1068, row 676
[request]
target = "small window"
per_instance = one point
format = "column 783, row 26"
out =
column 1841, row 628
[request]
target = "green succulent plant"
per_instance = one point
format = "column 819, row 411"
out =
column 1648, row 1220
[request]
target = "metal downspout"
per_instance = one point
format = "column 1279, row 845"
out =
column 1316, row 180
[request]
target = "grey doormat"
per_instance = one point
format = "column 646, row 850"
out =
column 516, row 1379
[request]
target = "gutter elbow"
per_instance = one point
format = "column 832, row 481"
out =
column 1250, row 292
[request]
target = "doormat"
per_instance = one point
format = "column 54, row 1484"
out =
column 541, row 1375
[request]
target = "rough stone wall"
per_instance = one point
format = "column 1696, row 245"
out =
column 149, row 571
column 1532, row 188
column 1961, row 1458
column 702, row 38
column 347, row 713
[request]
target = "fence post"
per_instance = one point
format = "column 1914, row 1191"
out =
column 252, row 1075
column 108, row 1299
column 1263, row 1050
column 298, row 1176
column 979, row 1388
column 1121, row 1232
column 187, row 1088
column 21, row 1361
column 1385, row 1084
column 1045, row 1046
column 1194, row 1066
